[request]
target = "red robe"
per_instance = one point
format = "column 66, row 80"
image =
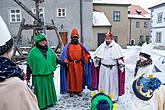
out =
column 121, row 81
column 75, row 70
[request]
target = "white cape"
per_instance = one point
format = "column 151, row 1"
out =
column 116, row 50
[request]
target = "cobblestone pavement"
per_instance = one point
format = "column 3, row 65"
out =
column 83, row 103
column 73, row 103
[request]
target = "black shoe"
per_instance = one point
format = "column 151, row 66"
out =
column 71, row 94
column 79, row 94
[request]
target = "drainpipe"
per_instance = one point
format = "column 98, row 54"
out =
column 130, row 32
column 110, row 28
column 81, row 23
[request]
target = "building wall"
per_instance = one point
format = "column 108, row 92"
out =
column 158, row 27
column 162, row 44
column 97, row 30
column 87, row 28
column 135, row 33
column 119, row 29
column 64, row 24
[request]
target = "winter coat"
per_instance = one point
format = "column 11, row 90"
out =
column 159, row 96
column 15, row 95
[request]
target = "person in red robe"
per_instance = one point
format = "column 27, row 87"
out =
column 76, row 55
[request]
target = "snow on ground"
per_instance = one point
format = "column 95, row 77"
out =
column 83, row 103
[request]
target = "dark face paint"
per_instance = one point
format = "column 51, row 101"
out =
column 74, row 40
column 107, row 43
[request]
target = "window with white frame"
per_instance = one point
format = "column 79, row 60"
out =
column 15, row 15
column 159, row 17
column 145, row 24
column 158, row 37
column 116, row 16
column 41, row 12
column 61, row 12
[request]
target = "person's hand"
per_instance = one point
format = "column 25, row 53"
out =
column 96, row 61
column 27, row 78
column 28, row 82
column 121, row 62
column 121, row 65
column 53, row 74
column 121, row 69
column 90, row 60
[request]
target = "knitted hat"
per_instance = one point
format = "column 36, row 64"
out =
column 6, row 42
column 144, row 87
column 74, row 33
column 102, row 101
column 108, row 34
column 145, row 55
column 146, row 50
column 39, row 37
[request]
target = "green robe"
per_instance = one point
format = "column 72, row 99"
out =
column 42, row 78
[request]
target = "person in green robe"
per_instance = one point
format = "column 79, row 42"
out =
column 41, row 62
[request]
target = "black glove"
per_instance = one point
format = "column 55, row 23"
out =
column 59, row 61
column 28, row 73
column 66, row 64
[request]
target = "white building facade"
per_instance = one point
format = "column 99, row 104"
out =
column 158, row 25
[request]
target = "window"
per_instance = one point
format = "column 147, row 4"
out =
column 138, row 12
column 142, row 38
column 101, row 38
column 116, row 16
column 145, row 24
column 61, row 12
column 160, row 16
column 15, row 15
column 147, row 38
column 137, row 24
column 158, row 37
column 41, row 12
column 129, row 12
